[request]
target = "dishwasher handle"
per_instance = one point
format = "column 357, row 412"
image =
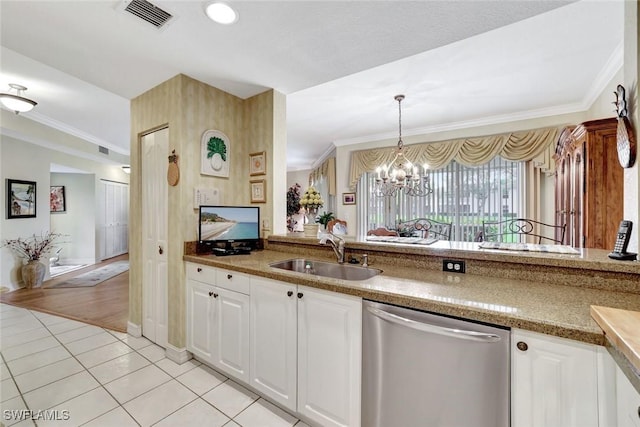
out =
column 439, row 330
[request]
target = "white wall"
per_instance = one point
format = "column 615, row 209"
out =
column 30, row 162
column 78, row 222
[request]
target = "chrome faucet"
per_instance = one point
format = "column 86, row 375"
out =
column 338, row 248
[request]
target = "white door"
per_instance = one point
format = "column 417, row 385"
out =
column 200, row 319
column 231, row 336
column 329, row 357
column 154, row 149
column 553, row 382
column 274, row 329
column 113, row 219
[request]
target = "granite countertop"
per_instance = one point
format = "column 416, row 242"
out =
column 558, row 310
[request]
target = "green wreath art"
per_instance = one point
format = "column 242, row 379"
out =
column 216, row 146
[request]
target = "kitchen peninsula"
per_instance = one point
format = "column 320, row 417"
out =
column 534, row 294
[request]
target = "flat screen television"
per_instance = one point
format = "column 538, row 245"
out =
column 222, row 226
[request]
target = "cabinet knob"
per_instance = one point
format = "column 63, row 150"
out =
column 229, row 276
column 289, row 293
column 211, row 293
column 300, row 294
column 639, row 412
column 522, row 346
column 199, row 270
column 215, row 295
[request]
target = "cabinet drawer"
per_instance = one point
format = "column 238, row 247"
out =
column 233, row 281
column 201, row 273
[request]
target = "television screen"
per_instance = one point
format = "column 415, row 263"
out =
column 229, row 223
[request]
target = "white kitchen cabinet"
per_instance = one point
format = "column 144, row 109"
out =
column 306, row 350
column 273, row 340
column 218, row 320
column 554, row 381
column 329, row 357
column 200, row 319
column 628, row 401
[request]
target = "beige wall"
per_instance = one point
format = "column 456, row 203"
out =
column 189, row 108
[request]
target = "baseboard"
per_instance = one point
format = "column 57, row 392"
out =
column 178, row 355
column 134, row 330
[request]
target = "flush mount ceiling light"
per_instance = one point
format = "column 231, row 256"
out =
column 221, row 13
column 16, row 102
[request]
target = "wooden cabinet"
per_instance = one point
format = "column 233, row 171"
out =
column 218, row 319
column 554, row 382
column 589, row 184
column 306, row 350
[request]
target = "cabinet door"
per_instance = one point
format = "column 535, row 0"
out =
column 200, row 318
column 231, row 351
column 553, row 382
column 273, row 340
column 628, row 405
column 329, row 357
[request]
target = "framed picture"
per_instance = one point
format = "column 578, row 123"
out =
column 348, row 198
column 214, row 154
column 56, row 199
column 21, row 199
column 258, row 191
column 258, row 163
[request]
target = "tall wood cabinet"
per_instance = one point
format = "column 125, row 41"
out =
column 589, row 184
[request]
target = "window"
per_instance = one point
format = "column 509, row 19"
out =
column 462, row 195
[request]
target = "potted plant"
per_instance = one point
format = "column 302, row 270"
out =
column 32, row 249
column 325, row 218
column 293, row 205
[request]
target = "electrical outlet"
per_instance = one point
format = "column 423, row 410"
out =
column 453, row 266
column 265, row 224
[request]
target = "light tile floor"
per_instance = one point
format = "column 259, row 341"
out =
column 53, row 367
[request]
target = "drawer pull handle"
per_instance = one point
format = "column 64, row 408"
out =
column 229, row 276
column 210, row 293
column 215, row 295
column 160, row 250
column 289, row 293
column 300, row 294
column 199, row 270
column 522, row 346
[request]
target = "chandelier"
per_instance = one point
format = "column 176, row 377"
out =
column 16, row 102
column 401, row 176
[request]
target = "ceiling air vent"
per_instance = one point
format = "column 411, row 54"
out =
column 148, row 12
column 103, row 150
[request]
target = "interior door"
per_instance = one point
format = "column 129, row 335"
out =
column 155, row 147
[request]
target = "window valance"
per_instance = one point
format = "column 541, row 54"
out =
column 514, row 146
column 327, row 170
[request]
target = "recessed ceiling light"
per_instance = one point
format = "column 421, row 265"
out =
column 221, row 13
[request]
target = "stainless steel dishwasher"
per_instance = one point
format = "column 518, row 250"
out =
column 422, row 369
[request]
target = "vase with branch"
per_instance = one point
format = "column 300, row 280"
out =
column 32, row 249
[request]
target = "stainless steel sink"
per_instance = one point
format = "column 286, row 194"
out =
column 327, row 269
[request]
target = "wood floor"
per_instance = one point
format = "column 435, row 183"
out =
column 105, row 305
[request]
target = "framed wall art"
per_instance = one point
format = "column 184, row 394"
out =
column 258, row 163
column 348, row 198
column 258, row 191
column 214, row 154
column 57, row 202
column 21, row 199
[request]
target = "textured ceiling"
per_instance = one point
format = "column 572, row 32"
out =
column 338, row 62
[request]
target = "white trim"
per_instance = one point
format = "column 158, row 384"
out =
column 40, row 118
column 134, row 330
column 327, row 153
column 606, row 74
column 178, row 355
column 77, row 261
